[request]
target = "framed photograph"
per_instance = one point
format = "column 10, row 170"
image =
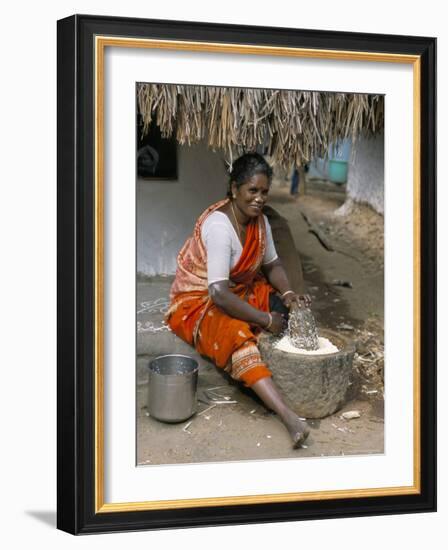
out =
column 254, row 339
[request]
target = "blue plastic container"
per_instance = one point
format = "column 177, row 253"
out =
column 338, row 171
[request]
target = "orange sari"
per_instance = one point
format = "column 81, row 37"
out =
column 230, row 343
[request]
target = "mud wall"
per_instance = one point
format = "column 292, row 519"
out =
column 365, row 181
column 167, row 210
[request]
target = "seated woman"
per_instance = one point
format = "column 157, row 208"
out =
column 230, row 285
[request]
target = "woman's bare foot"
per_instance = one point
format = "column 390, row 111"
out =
column 268, row 392
column 298, row 430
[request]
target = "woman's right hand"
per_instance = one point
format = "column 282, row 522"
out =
column 278, row 324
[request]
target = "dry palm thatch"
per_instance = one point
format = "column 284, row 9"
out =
column 292, row 127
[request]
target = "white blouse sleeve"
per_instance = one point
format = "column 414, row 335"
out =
column 218, row 242
column 270, row 253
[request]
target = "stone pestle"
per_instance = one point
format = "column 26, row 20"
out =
column 302, row 330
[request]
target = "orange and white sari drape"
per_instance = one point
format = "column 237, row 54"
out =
column 230, row 343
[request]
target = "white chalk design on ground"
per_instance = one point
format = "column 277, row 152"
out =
column 160, row 305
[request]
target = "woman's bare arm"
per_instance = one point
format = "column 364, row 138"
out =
column 234, row 306
column 276, row 275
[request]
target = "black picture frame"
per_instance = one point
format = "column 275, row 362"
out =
column 78, row 508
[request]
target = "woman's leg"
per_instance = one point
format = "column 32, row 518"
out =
column 271, row 397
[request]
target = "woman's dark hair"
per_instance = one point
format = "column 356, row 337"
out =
column 247, row 166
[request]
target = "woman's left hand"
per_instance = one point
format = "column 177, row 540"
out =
column 301, row 300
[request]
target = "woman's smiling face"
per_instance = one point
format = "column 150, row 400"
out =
column 251, row 196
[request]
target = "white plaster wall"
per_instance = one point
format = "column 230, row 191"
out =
column 167, row 210
column 365, row 181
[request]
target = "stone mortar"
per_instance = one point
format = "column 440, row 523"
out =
column 314, row 386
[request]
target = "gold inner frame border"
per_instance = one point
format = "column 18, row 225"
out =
column 101, row 42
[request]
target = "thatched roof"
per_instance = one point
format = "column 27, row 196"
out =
column 292, row 126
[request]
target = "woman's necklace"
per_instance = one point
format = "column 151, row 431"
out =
column 236, row 221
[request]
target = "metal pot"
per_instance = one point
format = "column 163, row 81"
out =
column 172, row 387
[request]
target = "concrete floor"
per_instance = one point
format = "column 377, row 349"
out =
column 246, row 430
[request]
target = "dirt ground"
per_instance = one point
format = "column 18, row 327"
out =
column 342, row 258
column 357, row 260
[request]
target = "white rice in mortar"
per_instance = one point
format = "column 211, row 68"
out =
column 325, row 347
